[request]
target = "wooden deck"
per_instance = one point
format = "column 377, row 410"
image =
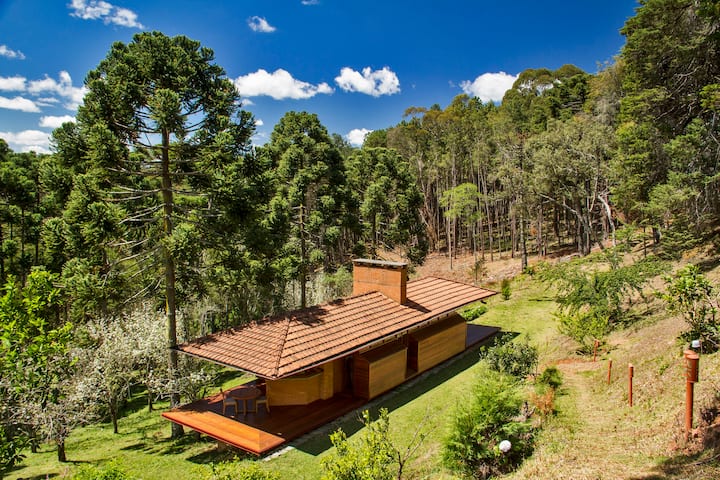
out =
column 478, row 333
column 260, row 432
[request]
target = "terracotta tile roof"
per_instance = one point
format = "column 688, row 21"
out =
column 282, row 345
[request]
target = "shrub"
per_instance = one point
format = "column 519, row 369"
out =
column 240, row 471
column 544, row 401
column 374, row 458
column 490, row 417
column 112, row 471
column 593, row 293
column 518, row 359
column 690, row 294
column 551, row 377
column 11, row 446
column 505, row 288
column 474, row 312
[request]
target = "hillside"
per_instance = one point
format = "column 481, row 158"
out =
column 595, row 434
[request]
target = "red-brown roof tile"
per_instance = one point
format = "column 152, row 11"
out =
column 282, row 345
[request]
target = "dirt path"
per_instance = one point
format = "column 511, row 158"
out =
column 595, row 436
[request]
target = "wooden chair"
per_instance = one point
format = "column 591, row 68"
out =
column 228, row 401
column 262, row 399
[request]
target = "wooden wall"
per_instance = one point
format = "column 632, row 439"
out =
column 319, row 383
column 375, row 371
column 299, row 389
column 436, row 343
column 379, row 370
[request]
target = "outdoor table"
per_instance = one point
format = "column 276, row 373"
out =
column 244, row 394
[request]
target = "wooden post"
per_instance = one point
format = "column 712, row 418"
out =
column 631, row 370
column 597, row 344
column 692, row 361
column 609, row 370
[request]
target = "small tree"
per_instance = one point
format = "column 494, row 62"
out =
column 593, row 293
column 375, row 457
column 690, row 294
column 505, row 289
column 480, row 425
column 35, row 361
column 108, row 366
column 372, row 459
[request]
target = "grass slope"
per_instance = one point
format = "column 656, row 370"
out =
column 595, row 434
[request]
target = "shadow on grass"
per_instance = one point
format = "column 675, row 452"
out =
column 226, row 375
column 709, row 264
column 221, row 454
column 318, row 441
column 686, row 467
column 43, row 476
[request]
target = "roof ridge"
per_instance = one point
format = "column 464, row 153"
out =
column 281, row 348
column 436, row 277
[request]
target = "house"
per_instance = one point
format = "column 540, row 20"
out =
column 355, row 348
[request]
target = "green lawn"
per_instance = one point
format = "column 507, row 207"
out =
column 143, row 449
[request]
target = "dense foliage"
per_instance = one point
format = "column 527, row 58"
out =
column 594, row 293
column 489, row 417
column 373, row 458
column 516, row 358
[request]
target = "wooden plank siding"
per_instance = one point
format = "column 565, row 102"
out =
column 434, row 344
column 379, row 370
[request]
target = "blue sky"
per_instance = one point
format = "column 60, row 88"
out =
column 357, row 64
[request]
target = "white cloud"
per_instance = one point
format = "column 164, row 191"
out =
column 16, row 83
column 7, row 52
column 278, row 85
column 62, row 87
column 126, row 18
column 489, row 87
column 259, row 24
column 259, row 122
column 310, row 2
column 19, row 103
column 107, row 12
column 375, row 83
column 47, row 101
column 55, row 122
column 357, row 136
column 28, row 140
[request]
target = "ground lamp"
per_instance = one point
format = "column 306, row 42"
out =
column 505, row 446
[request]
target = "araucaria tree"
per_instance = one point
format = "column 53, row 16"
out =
column 159, row 125
column 309, row 209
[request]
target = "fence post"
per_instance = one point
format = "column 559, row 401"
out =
column 692, row 364
column 631, row 371
column 597, row 343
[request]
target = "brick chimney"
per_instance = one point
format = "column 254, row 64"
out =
column 388, row 278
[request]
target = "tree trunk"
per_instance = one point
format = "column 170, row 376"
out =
column 303, row 261
column 540, row 232
column 523, row 245
column 112, row 406
column 169, row 264
column 61, row 457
